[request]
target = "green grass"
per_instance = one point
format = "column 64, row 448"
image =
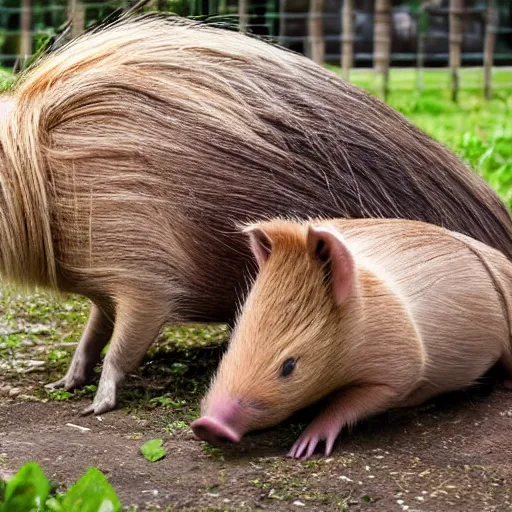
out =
column 479, row 133
column 434, row 79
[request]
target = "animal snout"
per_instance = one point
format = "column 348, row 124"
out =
column 214, row 431
column 223, row 420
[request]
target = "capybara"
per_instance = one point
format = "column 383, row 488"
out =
column 368, row 314
column 128, row 156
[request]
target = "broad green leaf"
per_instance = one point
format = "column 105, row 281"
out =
column 92, row 493
column 27, row 490
column 153, row 450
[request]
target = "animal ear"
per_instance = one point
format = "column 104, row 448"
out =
column 260, row 243
column 326, row 245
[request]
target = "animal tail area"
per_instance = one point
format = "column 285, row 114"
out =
column 27, row 249
column 38, row 104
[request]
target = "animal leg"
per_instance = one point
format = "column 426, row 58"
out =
column 96, row 335
column 347, row 407
column 136, row 327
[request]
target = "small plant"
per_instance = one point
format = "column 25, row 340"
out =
column 30, row 491
column 175, row 426
column 57, row 355
column 164, row 401
column 59, row 394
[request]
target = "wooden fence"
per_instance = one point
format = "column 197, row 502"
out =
column 315, row 39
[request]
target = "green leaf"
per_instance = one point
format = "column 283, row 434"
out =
column 92, row 493
column 153, row 450
column 27, row 490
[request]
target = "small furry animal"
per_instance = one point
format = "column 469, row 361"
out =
column 370, row 314
column 128, row 156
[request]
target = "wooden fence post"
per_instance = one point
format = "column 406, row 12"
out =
column 316, row 31
column 243, row 15
column 282, row 22
column 26, row 29
column 347, row 38
column 76, row 13
column 382, row 41
column 423, row 14
column 489, row 44
column 456, row 10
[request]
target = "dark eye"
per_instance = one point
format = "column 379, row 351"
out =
column 288, row 367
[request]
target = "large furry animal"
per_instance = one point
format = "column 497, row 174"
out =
column 367, row 314
column 128, row 156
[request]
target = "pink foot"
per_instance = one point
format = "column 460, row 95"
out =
column 320, row 430
column 347, row 406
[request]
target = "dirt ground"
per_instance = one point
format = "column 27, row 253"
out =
column 453, row 454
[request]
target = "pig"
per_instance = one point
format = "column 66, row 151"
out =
column 129, row 155
column 363, row 314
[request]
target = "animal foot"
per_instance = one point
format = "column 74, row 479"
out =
column 69, row 383
column 104, row 401
column 98, row 408
column 58, row 384
column 307, row 443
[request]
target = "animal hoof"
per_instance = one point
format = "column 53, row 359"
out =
column 99, row 408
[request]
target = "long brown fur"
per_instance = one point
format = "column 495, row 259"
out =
column 127, row 157
column 429, row 313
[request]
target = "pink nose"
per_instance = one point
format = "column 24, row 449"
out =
column 223, row 420
column 214, row 431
